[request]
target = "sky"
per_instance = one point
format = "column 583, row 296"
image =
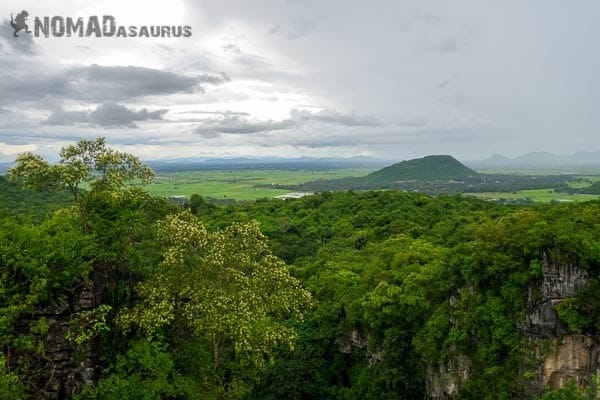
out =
column 393, row 79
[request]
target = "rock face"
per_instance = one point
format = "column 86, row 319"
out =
column 562, row 356
column 68, row 366
column 359, row 339
column 571, row 357
column 560, row 280
column 444, row 382
column 65, row 366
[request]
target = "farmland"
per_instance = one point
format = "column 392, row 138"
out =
column 537, row 195
column 241, row 184
column 251, row 184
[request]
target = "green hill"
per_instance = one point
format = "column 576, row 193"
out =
column 431, row 174
column 15, row 200
column 426, row 169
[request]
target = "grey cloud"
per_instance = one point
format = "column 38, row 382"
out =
column 237, row 125
column 32, row 87
column 15, row 119
column 293, row 33
column 214, row 79
column 62, row 117
column 105, row 115
column 224, row 113
column 110, row 114
column 371, row 136
column 254, row 66
column 163, row 49
column 97, row 83
column 232, row 48
column 200, row 116
column 27, row 136
column 206, row 133
column 334, row 117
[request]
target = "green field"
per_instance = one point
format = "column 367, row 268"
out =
column 586, row 181
column 537, row 195
column 241, row 184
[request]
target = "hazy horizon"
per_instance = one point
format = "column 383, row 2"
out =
column 392, row 80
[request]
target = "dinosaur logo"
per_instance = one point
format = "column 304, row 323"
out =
column 20, row 23
column 93, row 26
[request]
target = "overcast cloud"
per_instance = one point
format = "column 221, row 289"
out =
column 106, row 115
column 391, row 79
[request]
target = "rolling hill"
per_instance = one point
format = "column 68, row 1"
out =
column 423, row 172
column 426, row 169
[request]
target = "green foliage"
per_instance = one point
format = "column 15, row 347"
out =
column 201, row 304
column 568, row 392
column 10, row 384
column 569, row 314
column 85, row 325
column 30, row 204
column 43, row 264
column 88, row 162
column 420, row 280
column 145, row 372
column 38, row 266
column 304, row 373
column 225, row 287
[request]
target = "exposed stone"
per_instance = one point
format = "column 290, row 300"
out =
column 572, row 357
column 359, row 339
column 560, row 280
column 542, row 321
column 562, row 356
column 65, row 367
column 444, row 382
column 356, row 339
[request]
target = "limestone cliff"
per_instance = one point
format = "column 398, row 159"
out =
column 563, row 355
column 64, row 367
column 560, row 281
column 570, row 357
column 558, row 355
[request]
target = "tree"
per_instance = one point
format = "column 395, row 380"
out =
column 196, row 201
column 86, row 162
column 86, row 247
column 224, row 288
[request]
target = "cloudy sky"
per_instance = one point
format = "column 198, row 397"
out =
column 389, row 79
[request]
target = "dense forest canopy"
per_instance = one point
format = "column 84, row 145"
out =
column 370, row 295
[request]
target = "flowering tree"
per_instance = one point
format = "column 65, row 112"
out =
column 225, row 287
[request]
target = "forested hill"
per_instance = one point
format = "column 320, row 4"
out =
column 426, row 169
column 336, row 296
column 434, row 174
column 16, row 200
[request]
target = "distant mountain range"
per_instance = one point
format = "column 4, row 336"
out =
column 540, row 160
column 182, row 164
column 199, row 163
column 537, row 160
